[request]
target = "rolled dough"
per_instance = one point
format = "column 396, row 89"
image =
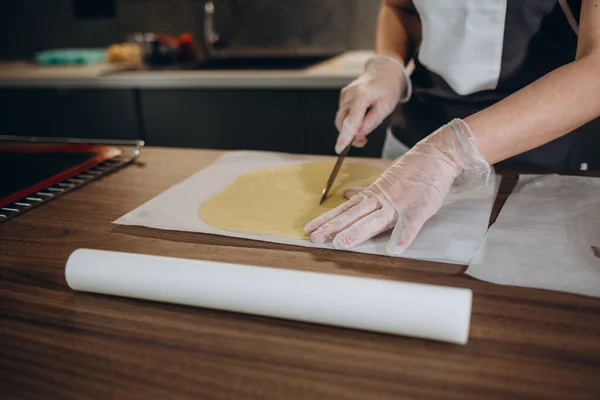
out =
column 281, row 201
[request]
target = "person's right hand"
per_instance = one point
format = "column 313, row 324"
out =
column 381, row 87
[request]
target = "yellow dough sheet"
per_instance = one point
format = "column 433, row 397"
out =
column 271, row 196
column 281, row 201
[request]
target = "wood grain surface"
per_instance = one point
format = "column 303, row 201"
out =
column 58, row 344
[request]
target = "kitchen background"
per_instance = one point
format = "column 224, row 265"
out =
column 290, row 110
column 234, row 110
column 27, row 26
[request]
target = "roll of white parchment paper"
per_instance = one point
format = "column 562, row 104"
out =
column 410, row 309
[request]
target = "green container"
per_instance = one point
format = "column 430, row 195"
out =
column 71, row 56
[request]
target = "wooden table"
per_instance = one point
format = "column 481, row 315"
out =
column 56, row 344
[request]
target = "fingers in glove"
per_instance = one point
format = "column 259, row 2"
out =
column 331, row 214
column 340, row 116
column 330, row 229
column 359, row 142
column 372, row 225
column 347, row 101
column 371, row 121
column 352, row 123
column 404, row 233
column 351, row 192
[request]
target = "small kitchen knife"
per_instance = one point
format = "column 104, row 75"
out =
column 335, row 171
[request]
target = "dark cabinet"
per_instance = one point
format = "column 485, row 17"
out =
column 77, row 113
column 282, row 120
column 294, row 121
column 222, row 119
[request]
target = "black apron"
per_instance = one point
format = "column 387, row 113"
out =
column 535, row 38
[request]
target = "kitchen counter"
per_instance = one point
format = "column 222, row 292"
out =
column 332, row 74
column 56, row 343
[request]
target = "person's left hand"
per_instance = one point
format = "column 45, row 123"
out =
column 408, row 193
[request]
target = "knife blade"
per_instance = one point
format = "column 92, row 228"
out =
column 334, row 172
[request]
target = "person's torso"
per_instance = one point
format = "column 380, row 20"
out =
column 474, row 53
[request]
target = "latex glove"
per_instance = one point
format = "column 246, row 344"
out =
column 408, row 193
column 381, row 87
column 354, row 190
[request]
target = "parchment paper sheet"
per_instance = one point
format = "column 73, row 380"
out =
column 451, row 236
column 547, row 236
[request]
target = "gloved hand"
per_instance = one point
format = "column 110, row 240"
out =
column 408, row 193
column 382, row 86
